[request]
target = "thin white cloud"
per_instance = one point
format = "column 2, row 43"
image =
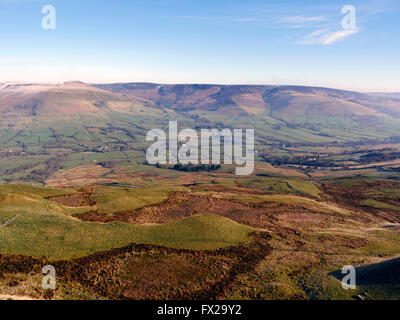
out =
column 302, row 19
column 337, row 36
column 196, row 18
column 249, row 19
column 326, row 37
column 317, row 33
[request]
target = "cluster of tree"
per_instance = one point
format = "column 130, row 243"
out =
column 394, row 169
column 19, row 168
column 106, row 164
column 191, row 167
column 303, row 161
column 38, row 175
column 378, row 157
column 357, row 143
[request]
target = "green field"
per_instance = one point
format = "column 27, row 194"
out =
column 282, row 185
column 46, row 229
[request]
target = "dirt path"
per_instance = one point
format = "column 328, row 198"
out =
column 9, row 221
column 15, row 297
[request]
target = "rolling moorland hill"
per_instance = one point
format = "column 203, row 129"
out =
column 28, row 102
column 306, row 107
column 284, row 114
column 283, row 101
column 279, row 113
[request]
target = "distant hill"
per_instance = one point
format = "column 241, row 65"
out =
column 283, row 114
column 197, row 97
column 280, row 101
column 392, row 95
column 25, row 102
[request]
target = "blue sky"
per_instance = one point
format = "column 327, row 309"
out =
column 203, row 41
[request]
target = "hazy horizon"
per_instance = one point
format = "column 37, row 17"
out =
column 192, row 83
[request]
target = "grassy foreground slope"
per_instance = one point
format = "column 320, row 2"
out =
column 309, row 236
column 58, row 237
column 44, row 229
